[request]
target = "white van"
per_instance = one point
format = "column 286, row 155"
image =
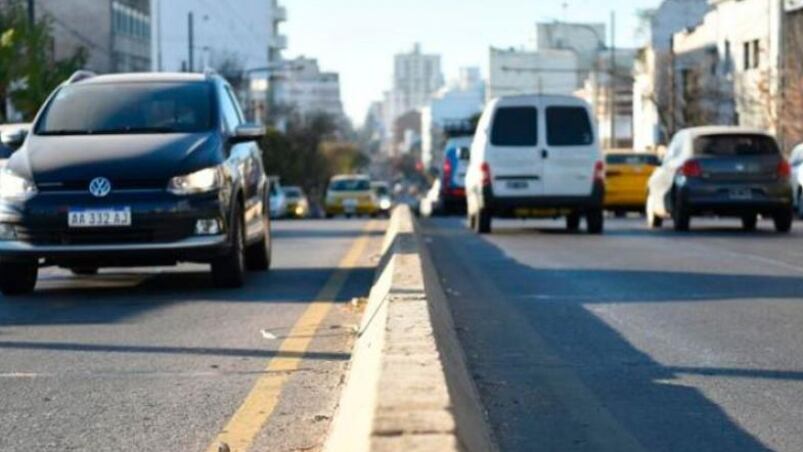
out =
column 536, row 157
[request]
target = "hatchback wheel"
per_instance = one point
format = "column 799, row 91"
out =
column 595, row 221
column 749, row 222
column 18, row 278
column 681, row 217
column 229, row 271
column 258, row 255
column 783, row 221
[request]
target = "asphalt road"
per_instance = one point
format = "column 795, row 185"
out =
column 635, row 340
column 159, row 360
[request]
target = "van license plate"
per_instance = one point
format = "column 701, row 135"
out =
column 99, row 218
column 741, row 193
column 518, row 185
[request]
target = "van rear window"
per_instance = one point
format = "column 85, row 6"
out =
column 515, row 126
column 568, row 126
column 736, row 144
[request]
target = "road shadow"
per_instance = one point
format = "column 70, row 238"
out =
column 116, row 295
column 528, row 336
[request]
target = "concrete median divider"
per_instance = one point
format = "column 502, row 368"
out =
column 408, row 386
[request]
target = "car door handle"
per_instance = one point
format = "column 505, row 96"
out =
column 544, row 154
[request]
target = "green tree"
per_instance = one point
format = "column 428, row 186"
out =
column 29, row 71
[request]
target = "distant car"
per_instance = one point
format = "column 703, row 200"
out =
column 723, row 171
column 350, row 195
column 297, row 202
column 536, row 156
column 278, row 200
column 382, row 197
column 796, row 161
column 453, row 177
column 626, row 177
column 132, row 170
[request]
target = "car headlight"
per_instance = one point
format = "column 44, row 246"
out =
column 13, row 187
column 201, row 181
column 384, row 204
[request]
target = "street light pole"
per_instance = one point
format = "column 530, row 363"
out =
column 31, row 12
column 191, row 41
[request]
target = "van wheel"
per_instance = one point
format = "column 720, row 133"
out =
column 18, row 278
column 573, row 222
column 595, row 221
column 783, row 221
column 228, row 271
column 483, row 221
column 749, row 222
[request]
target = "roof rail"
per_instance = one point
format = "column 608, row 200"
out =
column 79, row 76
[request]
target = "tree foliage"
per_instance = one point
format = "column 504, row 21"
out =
column 28, row 69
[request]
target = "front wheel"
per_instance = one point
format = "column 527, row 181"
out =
column 783, row 221
column 228, row 271
column 18, row 278
column 483, row 221
column 749, row 222
column 595, row 221
column 258, row 255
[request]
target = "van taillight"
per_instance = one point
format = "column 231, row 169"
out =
column 784, row 169
column 486, row 174
column 599, row 171
column 692, row 168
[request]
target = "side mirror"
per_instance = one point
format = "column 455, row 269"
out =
column 246, row 133
column 14, row 139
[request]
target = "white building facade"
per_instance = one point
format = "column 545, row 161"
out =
column 517, row 71
column 302, row 88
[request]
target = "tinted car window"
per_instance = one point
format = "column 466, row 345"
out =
column 568, row 126
column 736, row 144
column 515, row 126
column 350, row 185
column 129, row 108
column 381, row 190
column 632, row 159
column 292, row 192
column 230, row 113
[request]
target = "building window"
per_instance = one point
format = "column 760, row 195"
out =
column 752, row 54
column 746, row 56
column 756, row 54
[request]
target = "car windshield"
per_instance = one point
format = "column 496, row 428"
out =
column 737, row 144
column 350, row 185
column 381, row 190
column 292, row 192
column 107, row 108
column 632, row 159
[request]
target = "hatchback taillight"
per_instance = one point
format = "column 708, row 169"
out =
column 784, row 169
column 486, row 174
column 692, row 168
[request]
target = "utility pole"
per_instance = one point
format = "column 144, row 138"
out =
column 612, row 82
column 159, row 36
column 191, row 41
column 31, row 12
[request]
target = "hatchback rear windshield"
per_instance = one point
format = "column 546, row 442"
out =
column 350, row 185
column 128, row 108
column 737, row 144
column 632, row 159
column 515, row 126
column 568, row 126
column 293, row 192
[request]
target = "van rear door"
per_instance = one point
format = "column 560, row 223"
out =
column 512, row 153
column 570, row 151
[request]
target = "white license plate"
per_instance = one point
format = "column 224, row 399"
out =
column 518, row 185
column 741, row 193
column 100, row 218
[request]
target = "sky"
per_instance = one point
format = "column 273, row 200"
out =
column 358, row 38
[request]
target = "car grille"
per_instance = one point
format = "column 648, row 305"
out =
column 104, row 236
column 117, row 185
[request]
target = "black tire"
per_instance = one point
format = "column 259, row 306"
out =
column 749, row 222
column 228, row 271
column 620, row 213
column 258, row 255
column 573, row 222
column 595, row 221
column 84, row 271
column 18, row 278
column 783, row 221
column 799, row 206
column 681, row 217
column 329, row 216
column 484, row 221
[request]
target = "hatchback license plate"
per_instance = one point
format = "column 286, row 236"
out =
column 518, row 185
column 100, row 218
column 741, row 193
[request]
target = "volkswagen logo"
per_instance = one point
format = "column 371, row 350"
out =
column 100, row 187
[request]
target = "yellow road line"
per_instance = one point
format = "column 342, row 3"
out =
column 242, row 428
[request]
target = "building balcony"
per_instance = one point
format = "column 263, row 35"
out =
column 278, row 41
column 280, row 14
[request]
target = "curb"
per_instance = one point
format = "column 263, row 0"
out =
column 408, row 386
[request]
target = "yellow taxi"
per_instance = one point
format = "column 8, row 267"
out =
column 350, row 195
column 626, row 177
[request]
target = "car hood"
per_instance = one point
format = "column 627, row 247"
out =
column 58, row 159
